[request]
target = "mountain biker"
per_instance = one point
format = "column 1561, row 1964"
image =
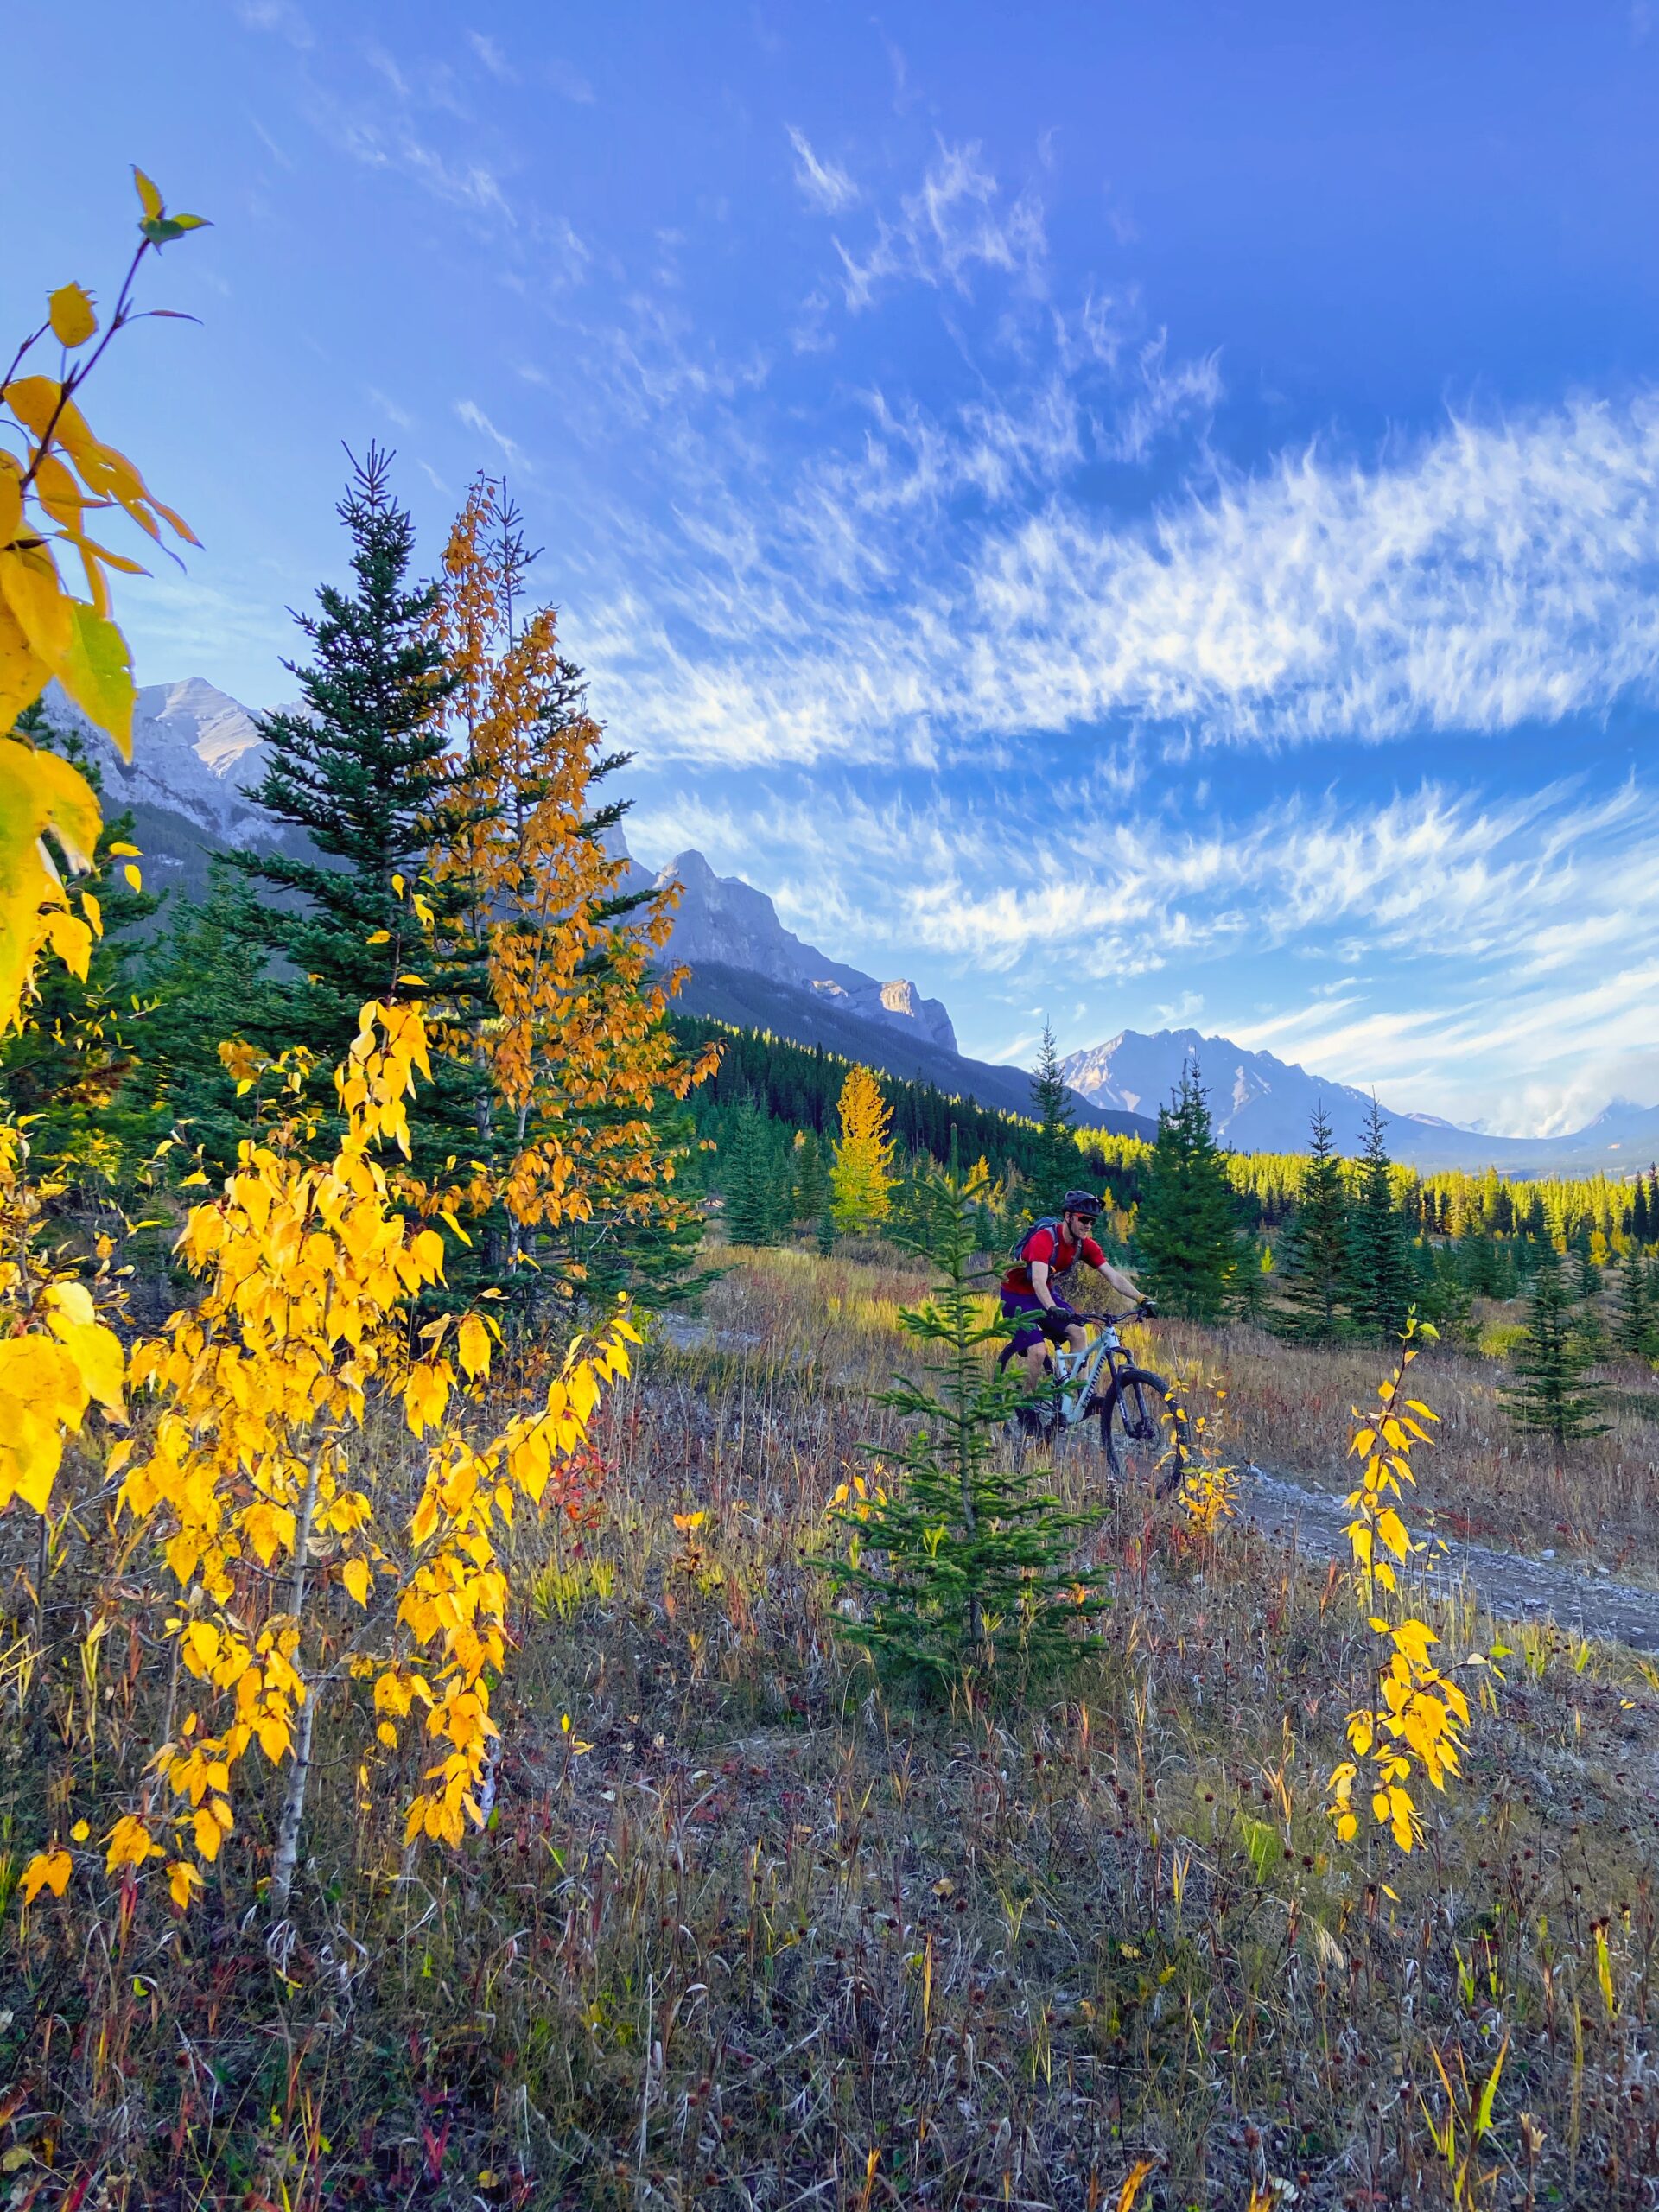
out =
column 1047, row 1252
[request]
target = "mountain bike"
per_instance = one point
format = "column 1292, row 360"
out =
column 1142, row 1431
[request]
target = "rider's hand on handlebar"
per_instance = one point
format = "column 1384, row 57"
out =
column 1148, row 1308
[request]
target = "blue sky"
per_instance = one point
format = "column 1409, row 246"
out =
column 1146, row 515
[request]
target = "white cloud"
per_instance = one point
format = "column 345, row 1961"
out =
column 957, row 220
column 477, row 421
column 279, row 16
column 1496, row 573
column 489, row 53
column 826, row 185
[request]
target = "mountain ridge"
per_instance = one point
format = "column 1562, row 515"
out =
column 195, row 748
column 1261, row 1104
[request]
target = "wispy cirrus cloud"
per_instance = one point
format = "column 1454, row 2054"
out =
column 1495, row 573
column 825, row 185
column 958, row 219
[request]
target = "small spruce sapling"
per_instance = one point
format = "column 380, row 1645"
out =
column 1550, row 1361
column 962, row 1568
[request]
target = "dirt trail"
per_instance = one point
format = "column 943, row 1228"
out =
column 1587, row 1600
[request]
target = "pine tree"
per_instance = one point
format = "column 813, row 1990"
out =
column 206, row 979
column 1550, row 1361
column 1379, row 1267
column 1056, row 1161
column 1187, row 1236
column 1314, row 1267
column 811, row 1186
column 1640, row 1228
column 965, row 1568
column 751, row 1181
column 359, row 767
column 1635, row 1328
column 861, row 1179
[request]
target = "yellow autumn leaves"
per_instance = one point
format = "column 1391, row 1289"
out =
column 48, row 1380
column 55, row 479
column 300, row 1557
column 1416, row 1723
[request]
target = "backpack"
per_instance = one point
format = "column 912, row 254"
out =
column 1049, row 1220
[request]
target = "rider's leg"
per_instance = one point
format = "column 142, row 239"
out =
column 1037, row 1364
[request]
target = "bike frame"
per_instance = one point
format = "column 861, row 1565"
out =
column 1078, row 1373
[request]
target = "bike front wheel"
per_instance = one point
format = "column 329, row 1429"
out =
column 1143, row 1433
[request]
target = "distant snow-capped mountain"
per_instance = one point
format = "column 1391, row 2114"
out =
column 1260, row 1103
column 194, row 750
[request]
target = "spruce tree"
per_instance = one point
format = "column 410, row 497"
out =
column 206, row 980
column 1187, row 1235
column 1636, row 1327
column 751, row 1181
column 1313, row 1261
column 1550, row 1361
column 1640, row 1226
column 811, row 1186
column 963, row 1568
column 359, row 766
column 1056, row 1162
column 1378, row 1292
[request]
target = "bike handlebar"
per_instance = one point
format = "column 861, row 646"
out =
column 1111, row 1320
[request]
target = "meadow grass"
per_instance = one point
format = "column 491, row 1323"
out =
column 745, row 1930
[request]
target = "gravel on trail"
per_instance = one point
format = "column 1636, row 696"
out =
column 1585, row 1599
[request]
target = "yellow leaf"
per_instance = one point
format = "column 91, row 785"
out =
column 149, row 197
column 1131, row 2189
column 48, row 1870
column 129, row 1844
column 79, row 1833
column 98, row 1359
column 39, row 792
column 355, row 1575
column 11, row 499
column 183, row 1880
column 96, row 671
column 474, row 1345
column 71, row 312
column 29, row 580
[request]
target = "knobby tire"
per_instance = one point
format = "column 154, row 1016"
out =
column 1135, row 1431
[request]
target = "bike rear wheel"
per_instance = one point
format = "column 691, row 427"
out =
column 1144, row 1436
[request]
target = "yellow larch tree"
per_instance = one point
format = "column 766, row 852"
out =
column 861, row 1176
column 568, row 1032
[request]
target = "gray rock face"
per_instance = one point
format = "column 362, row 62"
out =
column 193, row 748
column 726, row 922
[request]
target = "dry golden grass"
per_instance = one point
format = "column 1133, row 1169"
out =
column 1598, row 1499
column 774, row 1939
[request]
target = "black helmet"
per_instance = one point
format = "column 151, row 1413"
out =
column 1080, row 1202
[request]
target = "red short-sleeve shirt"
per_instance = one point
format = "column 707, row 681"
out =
column 1053, row 1247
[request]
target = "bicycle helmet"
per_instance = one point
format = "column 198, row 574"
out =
column 1081, row 1202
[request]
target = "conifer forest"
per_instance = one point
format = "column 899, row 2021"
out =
column 548, row 1655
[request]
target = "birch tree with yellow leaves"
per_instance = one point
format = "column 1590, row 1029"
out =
column 295, row 1551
